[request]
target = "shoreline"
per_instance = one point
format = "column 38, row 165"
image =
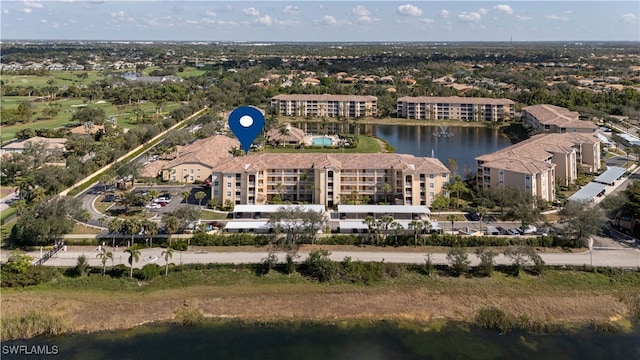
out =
column 95, row 303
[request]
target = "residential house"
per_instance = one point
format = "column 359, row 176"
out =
column 352, row 106
column 286, row 135
column 49, row 143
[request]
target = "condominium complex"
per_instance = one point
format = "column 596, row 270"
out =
column 455, row 107
column 555, row 119
column 351, row 106
column 328, row 179
column 539, row 163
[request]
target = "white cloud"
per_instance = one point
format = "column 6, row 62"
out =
column 119, row 14
column 27, row 10
column 503, row 9
column 44, row 21
column 483, row 11
column 630, row 18
column 469, row 17
column 360, row 11
column 568, row 12
column 523, row 18
column 266, row 20
column 32, row 4
column 329, row 20
column 210, row 13
column 291, row 10
column 5, row 11
column 251, row 11
column 409, row 10
column 427, row 21
column 444, row 14
column 557, row 18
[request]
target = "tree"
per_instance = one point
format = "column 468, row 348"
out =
column 457, row 186
column 171, row 225
column 82, row 266
column 185, row 195
column 200, row 195
column 115, row 227
column 167, row 254
column 452, row 165
column 451, row 218
column 439, row 202
column 134, row 256
column 384, row 224
column 370, row 221
column 132, row 226
column 397, row 228
column 582, row 220
column 150, row 229
column 386, row 189
column 522, row 255
column 45, row 222
column 458, row 261
column 104, row 255
column 319, row 266
column 486, row 257
column 417, row 227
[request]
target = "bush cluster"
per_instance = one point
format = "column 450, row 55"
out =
column 33, row 275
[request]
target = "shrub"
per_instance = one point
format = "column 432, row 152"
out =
column 486, row 256
column 149, row 272
column 361, row 272
column 494, row 318
column 30, row 325
column 33, row 275
column 458, row 261
column 319, row 266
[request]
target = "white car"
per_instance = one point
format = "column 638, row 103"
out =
column 163, row 199
column 153, row 206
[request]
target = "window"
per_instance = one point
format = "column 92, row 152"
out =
column 431, row 185
column 228, row 193
column 431, row 176
column 228, row 176
column 173, row 178
column 215, row 183
column 191, row 171
column 229, row 184
column 215, row 192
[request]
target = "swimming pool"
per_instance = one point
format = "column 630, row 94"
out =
column 321, row 141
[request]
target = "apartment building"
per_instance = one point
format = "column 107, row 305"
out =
column 328, row 179
column 454, row 107
column 555, row 119
column 196, row 160
column 350, row 106
column 539, row 163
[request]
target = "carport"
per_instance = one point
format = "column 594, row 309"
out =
column 610, row 176
column 589, row 192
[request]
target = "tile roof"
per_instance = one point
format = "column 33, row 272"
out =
column 455, row 100
column 324, row 97
column 559, row 116
column 531, row 154
column 294, row 134
column 263, row 161
column 207, row 151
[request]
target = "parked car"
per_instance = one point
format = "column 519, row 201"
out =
column 154, row 206
column 473, row 216
column 513, row 231
column 162, row 203
column 529, row 230
column 110, row 198
column 163, row 199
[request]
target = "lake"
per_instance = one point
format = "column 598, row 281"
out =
column 464, row 144
column 381, row 340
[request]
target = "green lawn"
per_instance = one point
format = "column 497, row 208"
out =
column 211, row 215
column 60, row 78
column 124, row 113
column 366, row 144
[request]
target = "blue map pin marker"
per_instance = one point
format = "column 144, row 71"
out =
column 246, row 122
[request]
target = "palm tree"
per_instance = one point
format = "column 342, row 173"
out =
column 171, row 225
column 396, row 227
column 115, row 226
column 370, row 221
column 457, row 186
column 386, row 189
column 168, row 254
column 200, row 195
column 451, row 218
column 134, row 256
column 132, row 227
column 384, row 222
column 185, row 196
column 105, row 255
column 481, row 213
column 151, row 229
column 417, row 227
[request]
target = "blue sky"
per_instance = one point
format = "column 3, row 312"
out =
column 343, row 21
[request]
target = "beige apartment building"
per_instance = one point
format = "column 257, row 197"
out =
column 454, row 107
column 539, row 163
column 195, row 161
column 350, row 106
column 555, row 119
column 329, row 179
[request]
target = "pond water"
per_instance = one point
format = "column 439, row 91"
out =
column 381, row 340
column 462, row 143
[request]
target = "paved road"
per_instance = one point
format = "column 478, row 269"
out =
column 625, row 258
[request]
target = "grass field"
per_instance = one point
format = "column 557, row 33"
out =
column 124, row 114
column 557, row 297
